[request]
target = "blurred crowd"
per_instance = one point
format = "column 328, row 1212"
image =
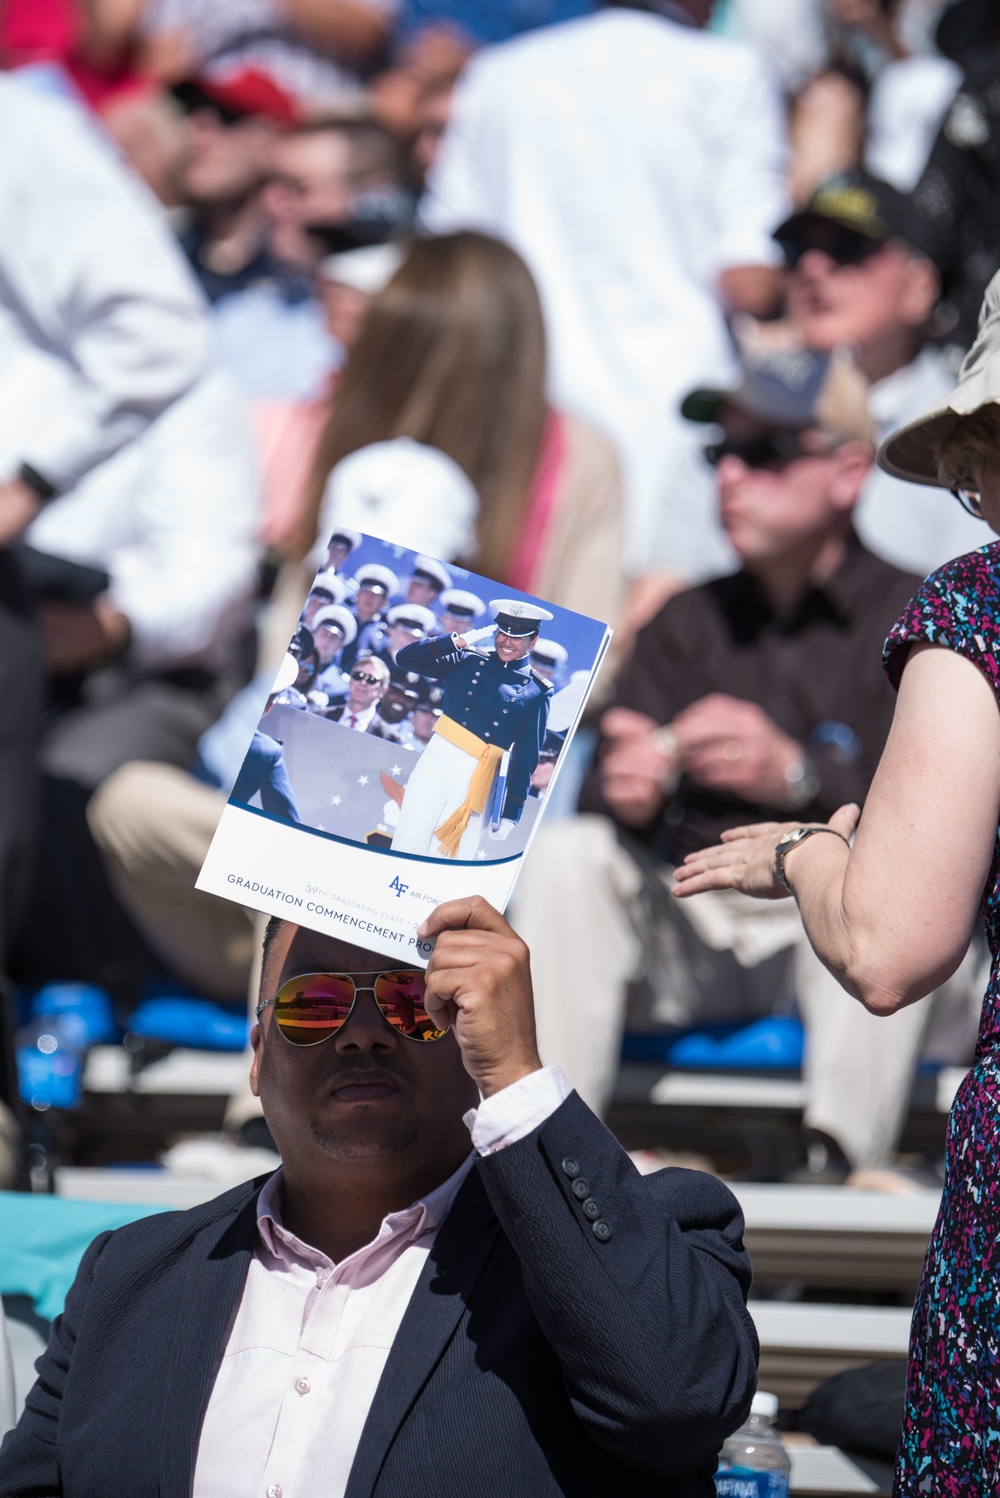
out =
column 614, row 304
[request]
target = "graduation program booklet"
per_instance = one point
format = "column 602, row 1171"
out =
column 412, row 736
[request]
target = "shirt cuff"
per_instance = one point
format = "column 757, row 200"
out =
column 515, row 1111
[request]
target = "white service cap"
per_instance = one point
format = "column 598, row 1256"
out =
column 374, row 575
column 516, row 617
column 337, row 617
column 462, row 604
column 339, row 587
column 430, row 568
column 550, row 652
column 414, row 615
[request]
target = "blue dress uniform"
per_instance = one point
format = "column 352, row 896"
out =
column 263, row 770
column 488, row 706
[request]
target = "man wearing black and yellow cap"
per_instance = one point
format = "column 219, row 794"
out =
column 862, row 278
column 493, row 702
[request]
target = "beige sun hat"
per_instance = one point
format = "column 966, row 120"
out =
column 910, row 451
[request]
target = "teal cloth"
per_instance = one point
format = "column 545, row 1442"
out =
column 43, row 1239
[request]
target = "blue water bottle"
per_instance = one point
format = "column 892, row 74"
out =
column 753, row 1463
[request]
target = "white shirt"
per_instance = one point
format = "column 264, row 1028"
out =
column 908, row 101
column 358, row 721
column 915, row 526
column 93, row 283
column 630, row 160
column 171, row 517
column 311, row 1338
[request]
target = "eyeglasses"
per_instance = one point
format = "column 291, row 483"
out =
column 774, row 451
column 970, row 499
column 372, row 681
column 842, row 246
column 311, row 1007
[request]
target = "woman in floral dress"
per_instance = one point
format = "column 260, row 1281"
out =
column 892, row 914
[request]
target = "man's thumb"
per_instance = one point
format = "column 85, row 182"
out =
column 845, row 819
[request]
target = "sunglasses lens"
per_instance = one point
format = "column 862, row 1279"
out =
column 842, row 246
column 313, row 1007
column 755, row 452
column 401, row 997
column 970, row 500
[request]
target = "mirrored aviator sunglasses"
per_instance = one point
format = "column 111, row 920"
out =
column 311, row 1007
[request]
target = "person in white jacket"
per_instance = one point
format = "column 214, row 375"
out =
column 637, row 164
column 92, row 283
column 122, row 446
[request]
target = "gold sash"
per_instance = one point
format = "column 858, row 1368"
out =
column 449, row 834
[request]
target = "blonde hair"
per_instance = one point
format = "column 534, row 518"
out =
column 451, row 353
column 972, row 443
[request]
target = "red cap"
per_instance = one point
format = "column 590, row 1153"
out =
column 248, row 92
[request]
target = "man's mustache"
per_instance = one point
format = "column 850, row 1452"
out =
column 347, row 1070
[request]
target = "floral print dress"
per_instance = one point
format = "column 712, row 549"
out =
column 950, row 1441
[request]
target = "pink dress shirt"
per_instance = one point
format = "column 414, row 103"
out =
column 311, row 1337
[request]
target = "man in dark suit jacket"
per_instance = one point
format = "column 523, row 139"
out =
column 368, row 684
column 570, row 1326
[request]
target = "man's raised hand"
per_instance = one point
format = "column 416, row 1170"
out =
column 479, row 983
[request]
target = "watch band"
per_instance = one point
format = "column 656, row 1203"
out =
column 791, row 840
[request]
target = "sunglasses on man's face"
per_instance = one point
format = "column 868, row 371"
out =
column 842, row 246
column 774, row 451
column 372, row 681
column 311, row 1007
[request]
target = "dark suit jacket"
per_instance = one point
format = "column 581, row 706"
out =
column 533, row 1358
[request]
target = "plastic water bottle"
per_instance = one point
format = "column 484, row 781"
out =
column 49, row 1063
column 753, row 1463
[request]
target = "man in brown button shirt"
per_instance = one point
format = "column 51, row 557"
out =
column 758, row 696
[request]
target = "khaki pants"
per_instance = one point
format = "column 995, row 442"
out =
column 596, row 919
column 153, row 824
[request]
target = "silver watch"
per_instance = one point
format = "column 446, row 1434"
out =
column 790, row 840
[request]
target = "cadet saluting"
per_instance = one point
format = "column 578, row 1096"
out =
column 492, row 701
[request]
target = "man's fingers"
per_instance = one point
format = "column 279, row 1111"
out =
column 622, row 722
column 441, row 1010
column 472, row 913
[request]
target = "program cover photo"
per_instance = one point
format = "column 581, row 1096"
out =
column 407, row 748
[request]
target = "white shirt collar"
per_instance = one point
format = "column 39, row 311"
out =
column 415, row 1221
column 363, row 718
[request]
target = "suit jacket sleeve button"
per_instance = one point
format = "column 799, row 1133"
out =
column 601, row 1230
column 580, row 1188
column 591, row 1210
column 571, row 1169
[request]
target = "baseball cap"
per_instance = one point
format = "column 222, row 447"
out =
column 864, row 204
column 795, row 390
column 239, row 96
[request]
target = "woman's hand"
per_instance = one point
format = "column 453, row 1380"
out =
column 744, row 859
